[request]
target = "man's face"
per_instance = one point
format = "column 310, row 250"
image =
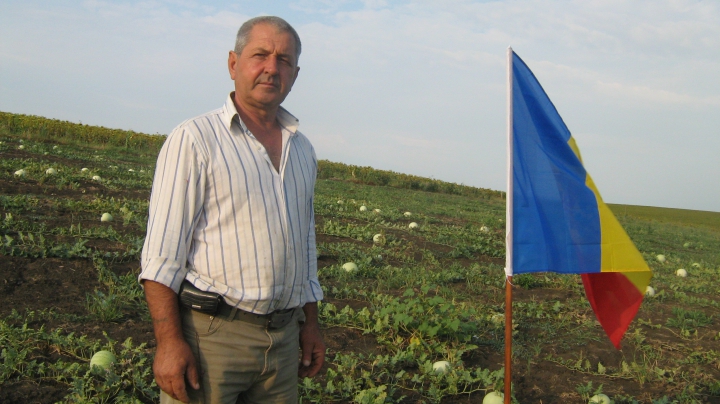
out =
column 266, row 69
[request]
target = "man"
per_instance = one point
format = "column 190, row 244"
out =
column 231, row 213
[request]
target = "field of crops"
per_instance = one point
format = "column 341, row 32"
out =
column 421, row 294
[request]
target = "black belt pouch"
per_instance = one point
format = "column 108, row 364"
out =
column 196, row 299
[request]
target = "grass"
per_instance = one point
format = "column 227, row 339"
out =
column 682, row 217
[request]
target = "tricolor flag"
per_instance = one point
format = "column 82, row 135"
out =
column 556, row 219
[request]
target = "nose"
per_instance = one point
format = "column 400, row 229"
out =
column 271, row 65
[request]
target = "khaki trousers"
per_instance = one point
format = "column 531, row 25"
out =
column 241, row 363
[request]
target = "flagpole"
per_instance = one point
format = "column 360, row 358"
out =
column 509, row 233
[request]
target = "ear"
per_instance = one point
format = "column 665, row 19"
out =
column 297, row 70
column 232, row 63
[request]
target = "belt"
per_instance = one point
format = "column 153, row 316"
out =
column 213, row 304
column 275, row 320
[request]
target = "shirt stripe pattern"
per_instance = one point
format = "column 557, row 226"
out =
column 224, row 218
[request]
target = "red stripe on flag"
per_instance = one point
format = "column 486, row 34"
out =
column 615, row 301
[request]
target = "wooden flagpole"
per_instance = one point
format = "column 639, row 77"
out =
column 508, row 339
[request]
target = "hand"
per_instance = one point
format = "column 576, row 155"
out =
column 311, row 343
column 174, row 361
column 313, row 350
column 174, row 364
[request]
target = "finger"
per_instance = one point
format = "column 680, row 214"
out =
column 318, row 360
column 304, row 365
column 165, row 386
column 179, row 392
column 319, row 354
column 304, row 372
column 192, row 376
column 306, row 362
column 306, row 353
column 312, row 367
column 310, row 371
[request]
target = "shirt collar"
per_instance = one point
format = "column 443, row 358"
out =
column 285, row 118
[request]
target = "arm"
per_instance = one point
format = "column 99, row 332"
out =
column 311, row 343
column 174, row 361
column 177, row 197
column 176, row 200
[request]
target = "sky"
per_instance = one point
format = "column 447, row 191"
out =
column 417, row 86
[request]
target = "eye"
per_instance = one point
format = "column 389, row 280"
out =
column 286, row 60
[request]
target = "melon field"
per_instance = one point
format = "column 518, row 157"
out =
column 416, row 295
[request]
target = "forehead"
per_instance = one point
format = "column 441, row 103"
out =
column 268, row 37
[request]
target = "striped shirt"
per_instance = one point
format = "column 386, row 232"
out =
column 223, row 217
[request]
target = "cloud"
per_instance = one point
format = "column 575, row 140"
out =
column 415, row 86
column 225, row 19
column 636, row 94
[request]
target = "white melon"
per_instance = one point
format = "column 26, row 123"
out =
column 104, row 359
column 441, row 367
column 350, row 267
column 494, row 397
column 379, row 239
column 600, row 399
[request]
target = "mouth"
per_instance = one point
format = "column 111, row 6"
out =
column 267, row 84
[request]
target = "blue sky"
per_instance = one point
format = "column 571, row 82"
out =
column 415, row 86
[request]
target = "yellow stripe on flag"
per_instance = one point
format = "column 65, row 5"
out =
column 618, row 253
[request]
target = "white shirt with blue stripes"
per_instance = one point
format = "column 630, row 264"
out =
column 223, row 217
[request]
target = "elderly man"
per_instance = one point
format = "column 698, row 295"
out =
column 229, row 265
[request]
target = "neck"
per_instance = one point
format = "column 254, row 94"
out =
column 254, row 117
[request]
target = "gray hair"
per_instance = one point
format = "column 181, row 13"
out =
column 278, row 23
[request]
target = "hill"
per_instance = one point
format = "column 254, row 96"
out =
column 434, row 292
column 684, row 217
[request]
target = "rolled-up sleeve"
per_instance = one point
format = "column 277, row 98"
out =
column 176, row 204
column 313, row 292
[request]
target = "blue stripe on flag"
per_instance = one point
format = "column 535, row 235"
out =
column 556, row 219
